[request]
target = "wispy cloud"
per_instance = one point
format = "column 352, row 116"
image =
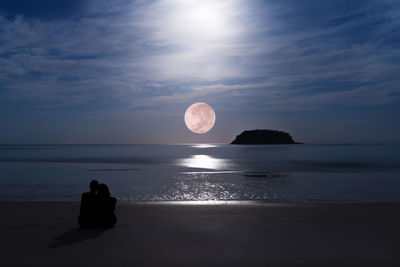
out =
column 125, row 55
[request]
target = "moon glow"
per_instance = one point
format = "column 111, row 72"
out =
column 200, row 118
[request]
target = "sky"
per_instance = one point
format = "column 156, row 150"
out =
column 124, row 72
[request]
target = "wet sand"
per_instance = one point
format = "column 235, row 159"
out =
column 46, row 234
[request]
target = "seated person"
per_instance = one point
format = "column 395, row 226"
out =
column 97, row 207
column 88, row 211
column 106, row 205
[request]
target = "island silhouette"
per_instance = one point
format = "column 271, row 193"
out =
column 263, row 137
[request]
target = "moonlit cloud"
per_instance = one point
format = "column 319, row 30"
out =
column 140, row 64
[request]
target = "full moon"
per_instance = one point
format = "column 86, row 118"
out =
column 200, row 118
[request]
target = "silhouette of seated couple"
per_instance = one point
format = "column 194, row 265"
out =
column 97, row 207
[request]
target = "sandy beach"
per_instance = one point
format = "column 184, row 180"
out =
column 47, row 234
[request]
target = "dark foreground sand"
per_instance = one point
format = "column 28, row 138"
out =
column 38, row 234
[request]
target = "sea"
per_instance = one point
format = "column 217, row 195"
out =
column 203, row 173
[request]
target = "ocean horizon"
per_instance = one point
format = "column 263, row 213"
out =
column 311, row 173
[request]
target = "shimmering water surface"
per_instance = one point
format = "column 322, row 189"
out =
column 207, row 172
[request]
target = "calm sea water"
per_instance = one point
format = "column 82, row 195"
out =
column 277, row 173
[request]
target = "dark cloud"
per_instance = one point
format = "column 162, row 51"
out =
column 42, row 9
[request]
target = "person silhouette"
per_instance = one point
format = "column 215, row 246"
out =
column 106, row 204
column 97, row 207
column 88, row 209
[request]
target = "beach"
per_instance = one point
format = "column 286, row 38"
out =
column 241, row 234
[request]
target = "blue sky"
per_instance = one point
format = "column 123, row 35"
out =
column 125, row 71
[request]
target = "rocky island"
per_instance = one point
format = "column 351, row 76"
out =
column 265, row 137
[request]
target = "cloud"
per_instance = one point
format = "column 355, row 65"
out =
column 42, row 9
column 123, row 56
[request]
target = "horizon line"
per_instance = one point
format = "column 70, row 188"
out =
column 126, row 144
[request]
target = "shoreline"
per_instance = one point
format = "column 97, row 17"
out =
column 215, row 202
column 150, row 234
